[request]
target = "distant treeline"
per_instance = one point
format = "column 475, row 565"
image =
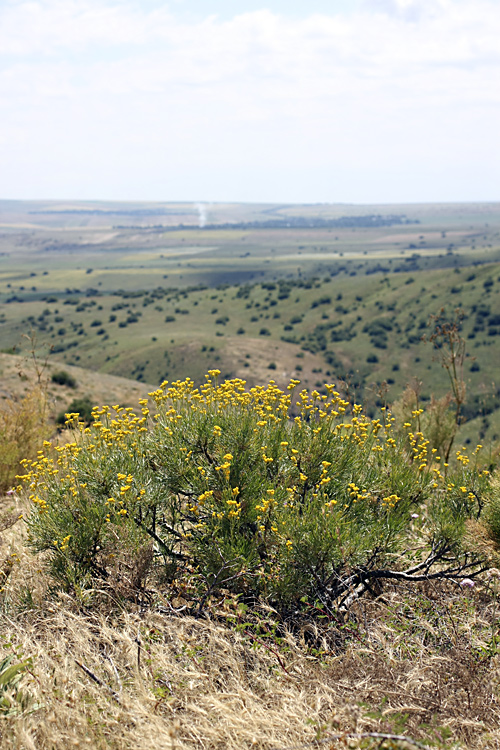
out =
column 305, row 222
column 286, row 222
column 296, row 222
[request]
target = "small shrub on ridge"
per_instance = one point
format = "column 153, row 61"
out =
column 61, row 377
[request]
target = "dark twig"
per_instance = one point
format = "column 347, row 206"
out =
column 99, row 682
column 272, row 650
column 139, row 646
column 161, row 544
column 352, row 588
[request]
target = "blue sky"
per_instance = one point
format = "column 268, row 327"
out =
column 366, row 101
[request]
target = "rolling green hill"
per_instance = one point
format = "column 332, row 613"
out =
column 361, row 329
column 320, row 293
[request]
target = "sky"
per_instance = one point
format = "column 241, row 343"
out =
column 293, row 101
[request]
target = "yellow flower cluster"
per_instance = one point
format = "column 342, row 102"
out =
column 390, row 501
column 234, row 505
column 265, row 503
column 355, row 493
column 419, row 447
column 57, row 475
column 62, row 545
column 111, row 430
column 226, row 466
column 205, row 496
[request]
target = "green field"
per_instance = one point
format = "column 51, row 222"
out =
column 127, row 290
column 47, row 247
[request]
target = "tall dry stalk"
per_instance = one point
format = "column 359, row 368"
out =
column 24, row 421
column 450, row 347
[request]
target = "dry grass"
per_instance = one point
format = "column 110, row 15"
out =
column 23, row 427
column 17, row 379
column 412, row 662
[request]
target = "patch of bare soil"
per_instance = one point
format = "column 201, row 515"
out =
column 253, row 360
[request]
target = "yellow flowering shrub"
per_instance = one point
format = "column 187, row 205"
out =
column 273, row 495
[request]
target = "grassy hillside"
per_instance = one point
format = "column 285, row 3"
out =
column 419, row 663
column 363, row 329
column 316, row 292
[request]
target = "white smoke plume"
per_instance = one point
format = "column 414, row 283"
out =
column 202, row 211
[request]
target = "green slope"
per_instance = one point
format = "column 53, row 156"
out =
column 364, row 329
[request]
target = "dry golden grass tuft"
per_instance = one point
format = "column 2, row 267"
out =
column 23, row 427
column 419, row 662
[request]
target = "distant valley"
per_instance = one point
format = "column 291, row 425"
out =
column 318, row 293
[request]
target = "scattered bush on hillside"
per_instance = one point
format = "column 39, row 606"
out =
column 61, row 377
column 317, row 340
column 481, row 404
column 326, row 300
column 223, row 490
column 81, row 407
column 377, row 331
column 343, row 334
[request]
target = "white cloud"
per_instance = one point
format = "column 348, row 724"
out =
column 407, row 10
column 395, row 85
column 49, row 27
